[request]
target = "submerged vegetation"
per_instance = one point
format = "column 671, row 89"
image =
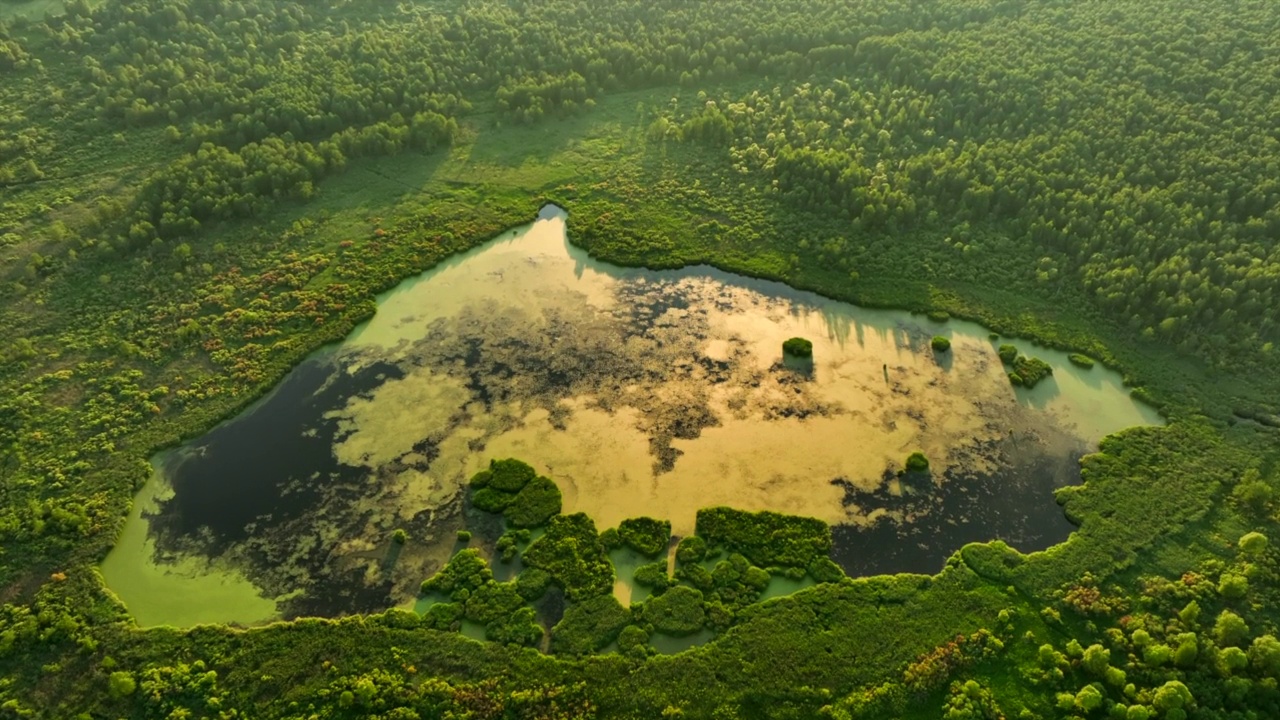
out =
column 194, row 194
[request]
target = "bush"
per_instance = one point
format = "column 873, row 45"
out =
column 1253, row 543
column 653, row 576
column 399, row 537
column 466, row 571
column 676, row 612
column 464, row 536
column 1031, row 370
column 646, row 536
column 531, row 583
column 509, row 475
column 443, row 616
column 939, row 316
column 1079, row 360
column 121, row 684
column 633, row 641
column 691, row 550
column 824, row 570
column 917, row 462
column 571, row 552
column 490, row 500
column 940, row 344
column 1007, row 353
column 767, row 539
column 797, row 347
column 534, row 505
column 588, row 626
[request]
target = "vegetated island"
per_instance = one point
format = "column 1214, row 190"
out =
column 798, row 347
column 1023, row 370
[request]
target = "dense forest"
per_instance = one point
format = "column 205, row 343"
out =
column 195, row 194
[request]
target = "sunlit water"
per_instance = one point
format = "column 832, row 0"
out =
column 640, row 393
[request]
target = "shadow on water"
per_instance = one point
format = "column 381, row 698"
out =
column 1015, row 506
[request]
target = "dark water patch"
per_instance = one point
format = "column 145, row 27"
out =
column 1013, row 503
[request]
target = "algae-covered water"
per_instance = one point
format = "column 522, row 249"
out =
column 640, row 393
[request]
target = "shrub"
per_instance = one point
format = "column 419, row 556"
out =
column 490, row 500
column 493, row 602
column 443, row 616
column 676, row 612
column 939, row 316
column 653, row 576
column 940, row 344
column 1007, row 353
column 1031, row 370
column 645, row 535
column 509, row 475
column 534, row 505
column 1079, row 360
column 465, row 571
column 766, row 538
column 797, row 347
column 1230, row 630
column 633, row 641
column 571, row 552
column 917, row 462
column 399, row 537
column 1253, row 543
column 121, row 684
column 531, row 583
column 1233, row 586
column 691, row 550
column 823, row 570
column 464, row 536
column 588, row 626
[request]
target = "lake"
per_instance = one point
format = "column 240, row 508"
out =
column 640, row 393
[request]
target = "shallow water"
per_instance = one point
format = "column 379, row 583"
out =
column 640, row 393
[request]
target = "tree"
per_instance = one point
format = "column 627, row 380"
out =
column 1230, row 630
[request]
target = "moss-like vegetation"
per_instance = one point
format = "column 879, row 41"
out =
column 917, row 462
column 589, row 626
column 798, row 347
column 571, row 552
column 678, row 612
column 1008, row 354
column 646, row 536
column 939, row 316
column 1080, row 360
column 765, row 538
column 940, row 344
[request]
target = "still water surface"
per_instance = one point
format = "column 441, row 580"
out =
column 640, row 393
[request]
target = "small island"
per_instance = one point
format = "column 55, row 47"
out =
column 1023, row 370
column 917, row 462
column 1081, row 361
column 797, row 347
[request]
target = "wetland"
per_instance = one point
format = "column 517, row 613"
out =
column 640, row 392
